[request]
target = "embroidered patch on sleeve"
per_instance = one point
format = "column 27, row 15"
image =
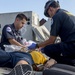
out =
column 8, row 29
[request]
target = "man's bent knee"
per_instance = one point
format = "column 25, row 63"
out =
column 22, row 62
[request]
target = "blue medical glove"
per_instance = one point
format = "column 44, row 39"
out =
column 32, row 46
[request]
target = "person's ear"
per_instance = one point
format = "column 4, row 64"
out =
column 17, row 19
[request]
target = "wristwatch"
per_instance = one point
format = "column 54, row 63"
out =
column 37, row 46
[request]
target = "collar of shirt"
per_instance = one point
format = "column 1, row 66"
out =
column 57, row 11
column 13, row 27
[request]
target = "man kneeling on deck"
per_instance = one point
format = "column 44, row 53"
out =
column 63, row 25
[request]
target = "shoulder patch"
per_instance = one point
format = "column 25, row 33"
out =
column 8, row 29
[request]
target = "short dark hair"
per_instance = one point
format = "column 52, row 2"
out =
column 55, row 4
column 21, row 16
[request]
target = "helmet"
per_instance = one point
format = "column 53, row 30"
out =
column 48, row 3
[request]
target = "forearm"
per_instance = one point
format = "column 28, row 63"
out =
column 14, row 42
column 51, row 40
column 43, row 44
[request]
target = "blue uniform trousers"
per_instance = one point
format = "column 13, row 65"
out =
column 61, row 52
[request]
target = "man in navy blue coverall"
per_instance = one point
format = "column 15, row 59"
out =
column 63, row 25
